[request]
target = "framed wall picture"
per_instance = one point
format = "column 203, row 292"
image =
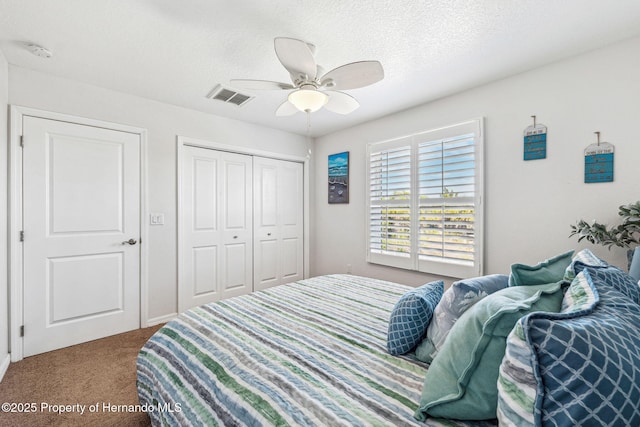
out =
column 338, row 179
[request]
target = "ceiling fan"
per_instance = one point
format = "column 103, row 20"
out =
column 312, row 87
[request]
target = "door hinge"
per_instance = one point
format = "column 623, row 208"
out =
column 22, row 141
column 22, row 236
column 22, row 331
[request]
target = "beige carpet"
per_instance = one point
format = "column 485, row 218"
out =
column 99, row 377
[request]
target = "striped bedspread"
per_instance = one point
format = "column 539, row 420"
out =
column 309, row 353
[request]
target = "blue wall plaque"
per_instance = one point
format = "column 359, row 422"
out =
column 598, row 163
column 535, row 142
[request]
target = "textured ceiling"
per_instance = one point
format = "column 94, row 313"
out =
column 177, row 51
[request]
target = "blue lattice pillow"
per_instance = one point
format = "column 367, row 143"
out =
column 411, row 315
column 579, row 367
column 618, row 279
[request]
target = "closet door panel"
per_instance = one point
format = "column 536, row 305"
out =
column 204, row 270
column 265, row 227
column 237, row 236
column 268, row 262
column 216, row 226
column 291, row 259
column 291, row 226
column 278, row 222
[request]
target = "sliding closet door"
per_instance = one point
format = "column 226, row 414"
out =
column 216, row 226
column 278, row 222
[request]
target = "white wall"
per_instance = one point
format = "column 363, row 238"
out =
column 163, row 122
column 528, row 205
column 4, row 289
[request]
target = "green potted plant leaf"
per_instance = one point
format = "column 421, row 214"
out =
column 624, row 235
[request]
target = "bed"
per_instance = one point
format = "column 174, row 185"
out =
column 554, row 344
column 308, row 353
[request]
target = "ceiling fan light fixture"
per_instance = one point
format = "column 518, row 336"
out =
column 308, row 100
column 312, row 88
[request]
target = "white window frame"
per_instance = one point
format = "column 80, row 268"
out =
column 411, row 260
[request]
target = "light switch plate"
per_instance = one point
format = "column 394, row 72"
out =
column 156, row 219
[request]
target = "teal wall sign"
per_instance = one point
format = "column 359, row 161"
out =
column 535, row 141
column 598, row 162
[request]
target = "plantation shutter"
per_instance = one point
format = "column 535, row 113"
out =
column 390, row 230
column 424, row 201
column 446, row 204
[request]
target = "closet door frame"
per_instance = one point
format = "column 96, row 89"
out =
column 183, row 141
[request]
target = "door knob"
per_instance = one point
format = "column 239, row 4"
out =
column 130, row 242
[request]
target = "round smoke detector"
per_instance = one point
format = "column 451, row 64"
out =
column 40, row 51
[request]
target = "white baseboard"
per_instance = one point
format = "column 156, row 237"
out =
column 4, row 365
column 161, row 319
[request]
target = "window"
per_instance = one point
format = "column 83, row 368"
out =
column 425, row 208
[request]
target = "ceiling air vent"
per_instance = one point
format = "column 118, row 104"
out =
column 229, row 96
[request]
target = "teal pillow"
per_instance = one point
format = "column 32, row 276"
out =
column 548, row 271
column 461, row 382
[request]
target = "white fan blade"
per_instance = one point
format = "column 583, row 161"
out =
column 286, row 109
column 340, row 102
column 259, row 84
column 353, row 75
column 296, row 56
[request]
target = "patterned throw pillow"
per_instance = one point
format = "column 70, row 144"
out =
column 578, row 367
column 617, row 279
column 584, row 258
column 580, row 296
column 410, row 317
column 455, row 301
column 461, row 381
column 609, row 274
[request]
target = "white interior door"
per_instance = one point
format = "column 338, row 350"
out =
column 81, row 201
column 278, row 222
column 216, row 231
